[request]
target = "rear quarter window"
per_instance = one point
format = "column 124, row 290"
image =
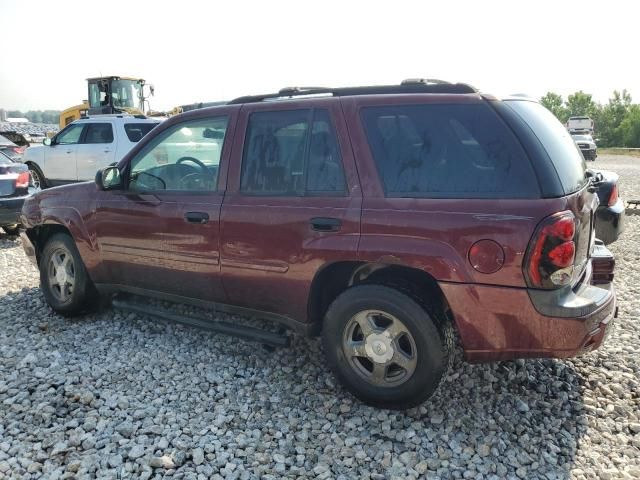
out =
column 447, row 151
column 556, row 140
column 135, row 131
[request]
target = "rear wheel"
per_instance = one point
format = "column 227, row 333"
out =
column 38, row 181
column 63, row 278
column 384, row 347
column 11, row 229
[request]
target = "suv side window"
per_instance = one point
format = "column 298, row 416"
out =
column 70, row 135
column 447, row 151
column 186, row 157
column 282, row 156
column 135, row 131
column 99, row 133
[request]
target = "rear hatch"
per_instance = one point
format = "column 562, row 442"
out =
column 573, row 182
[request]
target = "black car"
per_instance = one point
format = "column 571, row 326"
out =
column 14, row 188
column 610, row 212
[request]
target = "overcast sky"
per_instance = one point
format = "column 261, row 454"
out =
column 205, row 51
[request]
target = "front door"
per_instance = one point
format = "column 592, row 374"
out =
column 96, row 150
column 60, row 156
column 161, row 232
column 292, row 206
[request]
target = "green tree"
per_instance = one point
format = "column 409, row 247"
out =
column 555, row 103
column 629, row 128
column 580, row 104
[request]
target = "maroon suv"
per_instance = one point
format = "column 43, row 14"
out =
column 380, row 217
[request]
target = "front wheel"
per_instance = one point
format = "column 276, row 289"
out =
column 384, row 347
column 63, row 278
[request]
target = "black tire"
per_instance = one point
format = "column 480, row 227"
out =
column 66, row 300
column 432, row 346
column 11, row 229
column 38, row 179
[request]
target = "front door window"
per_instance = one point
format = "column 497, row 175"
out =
column 70, row 136
column 186, row 157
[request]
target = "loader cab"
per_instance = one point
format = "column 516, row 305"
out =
column 109, row 95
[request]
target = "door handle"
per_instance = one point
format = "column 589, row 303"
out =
column 69, row 151
column 325, row 224
column 107, row 151
column 197, row 217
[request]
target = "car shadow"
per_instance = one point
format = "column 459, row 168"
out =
column 491, row 419
column 8, row 241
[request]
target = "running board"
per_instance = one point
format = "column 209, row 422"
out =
column 240, row 331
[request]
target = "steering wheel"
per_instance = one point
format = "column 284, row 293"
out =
column 193, row 160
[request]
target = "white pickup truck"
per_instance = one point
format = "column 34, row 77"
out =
column 580, row 125
column 83, row 147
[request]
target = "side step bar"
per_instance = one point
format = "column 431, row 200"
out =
column 240, row 331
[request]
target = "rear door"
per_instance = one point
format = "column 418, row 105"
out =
column 60, row 156
column 570, row 167
column 96, row 150
column 292, row 206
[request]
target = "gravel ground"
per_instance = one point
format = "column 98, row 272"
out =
column 117, row 395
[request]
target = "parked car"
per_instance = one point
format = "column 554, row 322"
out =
column 78, row 151
column 587, row 146
column 610, row 212
column 14, row 188
column 381, row 218
column 10, row 149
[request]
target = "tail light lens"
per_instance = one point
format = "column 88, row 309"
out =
column 551, row 253
column 19, row 150
column 23, row 180
column 613, row 197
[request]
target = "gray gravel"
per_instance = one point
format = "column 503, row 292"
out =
column 116, row 395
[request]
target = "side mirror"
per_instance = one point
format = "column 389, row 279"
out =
column 108, row 178
column 47, row 142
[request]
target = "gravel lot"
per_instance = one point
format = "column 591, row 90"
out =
column 116, row 395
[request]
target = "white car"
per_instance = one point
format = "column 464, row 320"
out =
column 83, row 147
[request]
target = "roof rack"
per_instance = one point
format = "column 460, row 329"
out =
column 419, row 85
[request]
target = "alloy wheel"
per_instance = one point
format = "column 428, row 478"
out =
column 61, row 274
column 380, row 348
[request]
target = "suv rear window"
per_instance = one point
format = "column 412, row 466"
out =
column 556, row 140
column 135, row 131
column 447, row 151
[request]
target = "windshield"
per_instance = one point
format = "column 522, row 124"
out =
column 125, row 93
column 560, row 146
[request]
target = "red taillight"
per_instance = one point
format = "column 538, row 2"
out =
column 562, row 255
column 19, row 150
column 552, row 250
column 23, row 180
column 613, row 197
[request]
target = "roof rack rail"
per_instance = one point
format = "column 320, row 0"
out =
column 407, row 86
column 432, row 81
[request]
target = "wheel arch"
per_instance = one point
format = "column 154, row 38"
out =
column 335, row 278
column 68, row 221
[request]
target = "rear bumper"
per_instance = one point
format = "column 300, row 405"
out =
column 10, row 210
column 502, row 323
column 610, row 222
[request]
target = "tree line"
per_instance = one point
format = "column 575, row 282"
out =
column 37, row 116
column 617, row 123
